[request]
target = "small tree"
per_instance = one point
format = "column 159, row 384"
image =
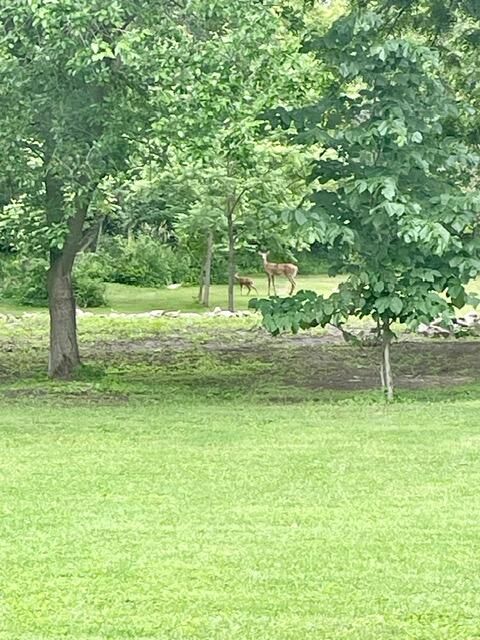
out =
column 391, row 197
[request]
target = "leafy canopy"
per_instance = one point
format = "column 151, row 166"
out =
column 392, row 198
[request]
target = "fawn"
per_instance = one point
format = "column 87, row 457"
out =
column 243, row 281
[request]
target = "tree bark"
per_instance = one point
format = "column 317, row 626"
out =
column 64, row 355
column 207, row 273
column 200, row 284
column 386, row 364
column 231, row 256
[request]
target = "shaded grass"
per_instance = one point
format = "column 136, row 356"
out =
column 227, row 358
column 219, row 520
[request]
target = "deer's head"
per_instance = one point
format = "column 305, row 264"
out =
column 263, row 254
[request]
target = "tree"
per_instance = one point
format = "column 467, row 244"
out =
column 209, row 223
column 391, row 187
column 252, row 64
column 75, row 96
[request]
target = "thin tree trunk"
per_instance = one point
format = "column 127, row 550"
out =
column 387, row 367
column 64, row 355
column 231, row 257
column 208, row 270
column 99, row 235
column 200, row 284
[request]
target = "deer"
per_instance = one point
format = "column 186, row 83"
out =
column 243, row 281
column 273, row 269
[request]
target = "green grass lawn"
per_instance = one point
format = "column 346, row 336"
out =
column 219, row 520
column 133, row 299
column 128, row 299
column 201, row 480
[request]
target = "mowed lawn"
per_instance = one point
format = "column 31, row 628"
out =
column 219, row 520
column 130, row 299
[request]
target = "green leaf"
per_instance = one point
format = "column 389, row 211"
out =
column 417, row 137
column 394, row 208
column 300, row 217
column 396, row 305
column 389, row 190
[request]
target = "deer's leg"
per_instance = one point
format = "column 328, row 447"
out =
column 268, row 277
column 273, row 283
column 293, row 283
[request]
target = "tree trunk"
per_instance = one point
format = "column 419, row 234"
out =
column 200, row 284
column 208, row 270
column 64, row 355
column 231, row 257
column 99, row 236
column 386, row 364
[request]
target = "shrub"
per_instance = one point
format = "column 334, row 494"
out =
column 88, row 281
column 25, row 281
column 144, row 262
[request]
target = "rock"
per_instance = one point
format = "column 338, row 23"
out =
column 176, row 285
column 172, row 314
column 423, row 329
column 82, row 314
column 430, row 330
column 332, row 330
column 224, row 313
column 156, row 313
column 439, row 331
column 471, row 318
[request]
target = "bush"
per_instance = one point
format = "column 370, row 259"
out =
column 88, row 281
column 25, row 281
column 144, row 262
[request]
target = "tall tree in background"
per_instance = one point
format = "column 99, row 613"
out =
column 235, row 74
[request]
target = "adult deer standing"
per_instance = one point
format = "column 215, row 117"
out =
column 273, row 269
